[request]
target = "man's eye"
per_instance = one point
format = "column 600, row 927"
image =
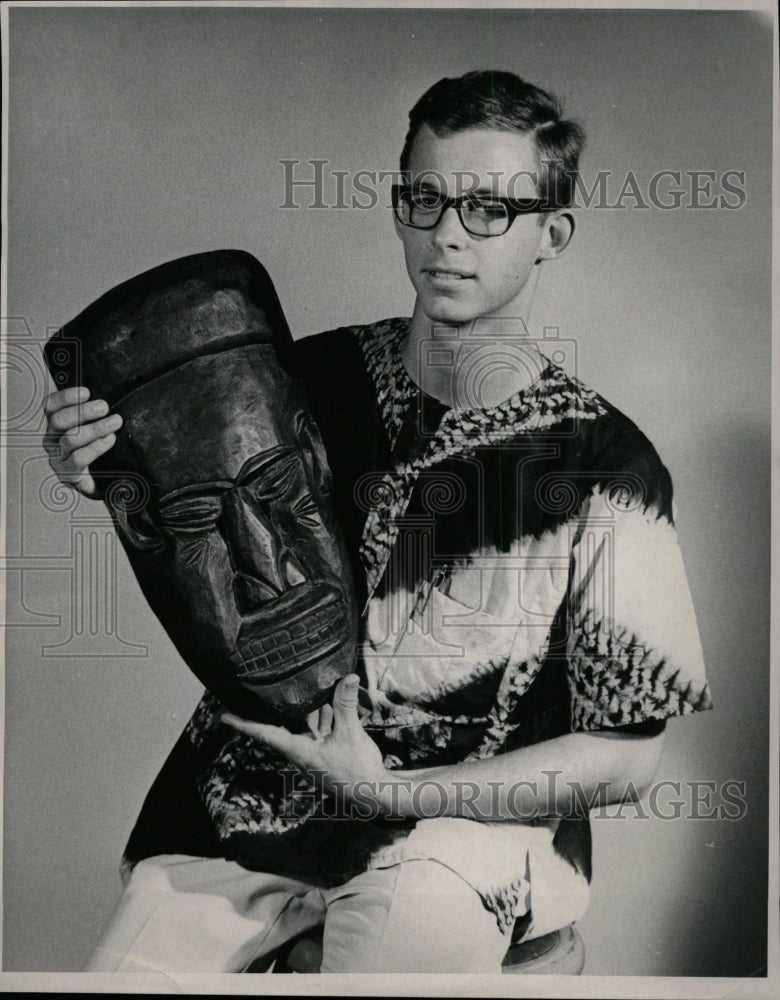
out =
column 426, row 200
column 487, row 209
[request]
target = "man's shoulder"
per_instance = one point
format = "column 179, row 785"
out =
column 351, row 335
column 339, row 369
column 613, row 430
column 320, row 346
column 620, row 440
column 347, row 359
column 608, row 444
column 329, row 360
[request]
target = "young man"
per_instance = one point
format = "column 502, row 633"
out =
column 527, row 625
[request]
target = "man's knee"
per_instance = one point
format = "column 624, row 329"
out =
column 418, row 916
column 148, row 876
column 160, row 874
column 355, row 921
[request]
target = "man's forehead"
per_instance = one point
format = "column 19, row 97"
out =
column 491, row 159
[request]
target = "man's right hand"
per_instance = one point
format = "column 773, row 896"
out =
column 78, row 430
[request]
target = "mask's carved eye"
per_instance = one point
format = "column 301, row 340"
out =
column 192, row 510
column 271, row 476
column 278, row 479
column 192, row 514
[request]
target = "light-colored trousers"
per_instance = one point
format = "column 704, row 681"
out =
column 185, row 914
column 413, row 910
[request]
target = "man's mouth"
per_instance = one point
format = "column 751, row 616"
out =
column 444, row 274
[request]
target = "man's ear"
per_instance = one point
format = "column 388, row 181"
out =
column 558, row 231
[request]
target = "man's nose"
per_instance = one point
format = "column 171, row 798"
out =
column 264, row 567
column 450, row 230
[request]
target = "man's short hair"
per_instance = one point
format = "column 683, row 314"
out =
column 502, row 101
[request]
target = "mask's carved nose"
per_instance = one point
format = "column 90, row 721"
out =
column 263, row 565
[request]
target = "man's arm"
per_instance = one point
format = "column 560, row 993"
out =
column 565, row 775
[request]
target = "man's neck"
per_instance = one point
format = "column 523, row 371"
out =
column 479, row 364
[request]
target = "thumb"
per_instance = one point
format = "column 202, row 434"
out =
column 345, row 702
column 276, row 737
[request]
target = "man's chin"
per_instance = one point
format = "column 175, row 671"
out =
column 450, row 313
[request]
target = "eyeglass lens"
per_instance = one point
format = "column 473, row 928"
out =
column 479, row 217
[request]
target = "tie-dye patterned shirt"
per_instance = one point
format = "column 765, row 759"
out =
column 521, row 579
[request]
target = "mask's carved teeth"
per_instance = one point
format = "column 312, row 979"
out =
column 291, row 644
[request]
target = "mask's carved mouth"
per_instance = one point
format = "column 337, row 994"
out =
column 305, row 624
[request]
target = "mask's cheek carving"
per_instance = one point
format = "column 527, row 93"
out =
column 200, row 571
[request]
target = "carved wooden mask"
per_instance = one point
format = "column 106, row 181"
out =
column 218, row 483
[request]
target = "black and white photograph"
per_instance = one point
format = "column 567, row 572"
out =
column 387, row 472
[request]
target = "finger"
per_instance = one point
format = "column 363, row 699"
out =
column 83, row 483
column 75, row 470
column 345, row 702
column 67, row 418
column 85, row 434
column 65, row 397
column 73, row 416
column 78, row 462
column 276, row 737
column 326, row 721
column 313, row 723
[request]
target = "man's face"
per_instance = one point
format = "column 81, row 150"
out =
column 457, row 276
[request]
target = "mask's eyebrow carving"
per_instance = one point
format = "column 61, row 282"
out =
column 261, row 463
column 250, row 468
column 193, row 509
column 195, row 491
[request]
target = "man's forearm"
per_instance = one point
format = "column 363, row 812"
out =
column 563, row 776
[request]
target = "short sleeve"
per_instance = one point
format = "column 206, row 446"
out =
column 633, row 648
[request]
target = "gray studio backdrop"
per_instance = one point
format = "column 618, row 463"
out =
column 140, row 135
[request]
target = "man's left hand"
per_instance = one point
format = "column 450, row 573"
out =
column 340, row 749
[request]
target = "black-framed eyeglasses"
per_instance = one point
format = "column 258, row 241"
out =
column 479, row 214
